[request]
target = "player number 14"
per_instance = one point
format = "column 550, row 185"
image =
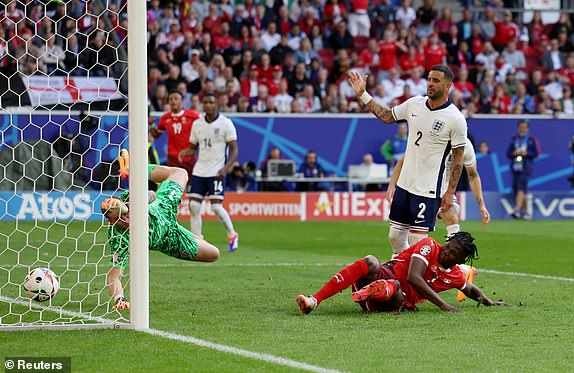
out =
column 207, row 142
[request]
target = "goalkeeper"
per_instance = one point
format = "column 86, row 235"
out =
column 165, row 234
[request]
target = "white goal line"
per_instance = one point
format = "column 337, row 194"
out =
column 163, row 334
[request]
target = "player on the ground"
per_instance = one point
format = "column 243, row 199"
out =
column 165, row 234
column 211, row 135
column 450, row 217
column 177, row 123
column 435, row 127
column 416, row 274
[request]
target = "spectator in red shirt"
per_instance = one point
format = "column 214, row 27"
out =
column 500, row 102
column 435, row 54
column 249, row 85
column 369, row 57
column 333, row 12
column 223, row 40
column 308, row 21
column 409, row 61
column 476, row 41
column 265, row 69
column 388, row 49
column 275, row 83
column 506, row 30
column 568, row 70
column 463, row 85
column 212, row 23
column 283, row 22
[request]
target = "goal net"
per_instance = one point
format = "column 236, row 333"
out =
column 63, row 121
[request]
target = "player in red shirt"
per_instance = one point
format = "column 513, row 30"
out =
column 177, row 123
column 417, row 274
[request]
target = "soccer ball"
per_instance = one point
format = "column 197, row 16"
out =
column 41, row 284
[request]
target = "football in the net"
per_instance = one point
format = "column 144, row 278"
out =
column 41, row 284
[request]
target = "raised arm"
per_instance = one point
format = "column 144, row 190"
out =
column 455, row 172
column 359, row 85
column 415, row 277
column 476, row 187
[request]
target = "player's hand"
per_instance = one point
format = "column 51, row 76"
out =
column 449, row 308
column 221, row 173
column 358, row 83
column 489, row 303
column 151, row 121
column 485, row 216
column 446, row 202
column 121, row 304
column 182, row 154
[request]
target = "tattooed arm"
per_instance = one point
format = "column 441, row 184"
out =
column 359, row 85
column 455, row 172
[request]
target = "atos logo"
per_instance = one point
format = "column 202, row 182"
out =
column 49, row 206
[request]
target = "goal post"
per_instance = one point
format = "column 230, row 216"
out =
column 64, row 116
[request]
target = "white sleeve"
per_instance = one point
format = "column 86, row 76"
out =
column 192, row 135
column 458, row 132
column 231, row 133
column 400, row 112
column 469, row 155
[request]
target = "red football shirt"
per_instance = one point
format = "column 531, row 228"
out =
column 433, row 56
column 438, row 278
column 387, row 55
column 178, row 127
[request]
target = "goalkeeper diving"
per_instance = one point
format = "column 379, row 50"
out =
column 165, row 234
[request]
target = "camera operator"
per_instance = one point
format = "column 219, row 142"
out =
column 522, row 151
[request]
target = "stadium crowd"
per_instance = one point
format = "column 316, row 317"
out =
column 293, row 56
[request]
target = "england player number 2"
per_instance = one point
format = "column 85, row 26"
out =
column 419, row 137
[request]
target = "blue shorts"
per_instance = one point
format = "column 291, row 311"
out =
column 410, row 210
column 519, row 182
column 210, row 187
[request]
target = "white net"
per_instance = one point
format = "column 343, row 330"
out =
column 63, row 72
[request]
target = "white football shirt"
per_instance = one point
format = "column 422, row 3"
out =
column 432, row 134
column 211, row 140
column 468, row 161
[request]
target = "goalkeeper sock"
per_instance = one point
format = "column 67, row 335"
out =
column 452, row 229
column 195, row 217
column 224, row 218
column 343, row 279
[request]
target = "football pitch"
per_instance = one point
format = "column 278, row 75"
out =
column 239, row 314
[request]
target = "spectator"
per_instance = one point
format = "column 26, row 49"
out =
column 299, row 81
column 174, row 78
column 224, row 40
column 553, row 59
column 296, row 106
column 238, row 21
column 483, row 148
column 565, row 44
column 183, row 52
column 174, row 39
column 535, row 85
column 434, row 52
column 295, row 37
column 383, row 14
column 341, row 38
column 333, row 12
column 500, row 102
column 259, row 103
column 567, row 102
column 238, row 180
column 405, row 15
column 488, row 56
column 311, row 169
column 265, row 69
column 393, row 149
column 452, row 43
column 316, row 38
column 536, row 27
column 444, row 24
column 465, row 25
column 502, row 69
column 394, row 85
column 553, row 86
column 381, row 97
column 309, row 102
column 200, row 8
column 487, row 24
column 522, row 151
column 359, row 22
column 279, row 51
column 243, row 105
column 463, row 85
column 241, row 70
column 486, row 89
column 388, row 50
column 506, row 31
column 54, row 56
column 283, row 99
column 270, row 38
column 191, row 23
column 283, row 21
column 426, row 16
column 190, row 69
column 182, row 88
column 308, row 20
column 271, row 186
column 305, row 53
column 514, row 56
column 522, row 102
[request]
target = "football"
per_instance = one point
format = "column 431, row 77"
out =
column 41, row 284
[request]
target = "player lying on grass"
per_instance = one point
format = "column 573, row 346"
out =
column 450, row 216
column 165, row 234
column 417, row 274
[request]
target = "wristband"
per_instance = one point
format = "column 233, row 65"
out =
column 365, row 97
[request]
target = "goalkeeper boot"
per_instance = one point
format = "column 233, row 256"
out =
column 124, row 161
column 375, row 288
column 306, row 304
column 233, row 242
column 470, row 274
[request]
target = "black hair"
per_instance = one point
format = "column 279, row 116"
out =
column 448, row 74
column 176, row 92
column 210, row 95
column 466, row 242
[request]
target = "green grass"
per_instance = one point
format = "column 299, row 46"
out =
column 246, row 300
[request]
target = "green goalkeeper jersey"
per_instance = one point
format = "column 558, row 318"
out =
column 165, row 234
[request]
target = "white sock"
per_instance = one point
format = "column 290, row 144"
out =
column 195, row 218
column 452, row 229
column 398, row 239
column 416, row 237
column 224, row 218
column 464, row 268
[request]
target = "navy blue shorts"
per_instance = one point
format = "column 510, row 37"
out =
column 410, row 210
column 519, row 182
column 209, row 187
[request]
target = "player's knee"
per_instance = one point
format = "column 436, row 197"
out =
column 195, row 207
column 373, row 263
column 216, row 207
column 416, row 236
column 398, row 239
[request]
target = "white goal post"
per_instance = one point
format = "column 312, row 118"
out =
column 59, row 225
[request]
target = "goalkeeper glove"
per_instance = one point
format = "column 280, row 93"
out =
column 121, row 304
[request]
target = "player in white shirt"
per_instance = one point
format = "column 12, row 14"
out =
column 450, row 217
column 436, row 127
column 211, row 135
